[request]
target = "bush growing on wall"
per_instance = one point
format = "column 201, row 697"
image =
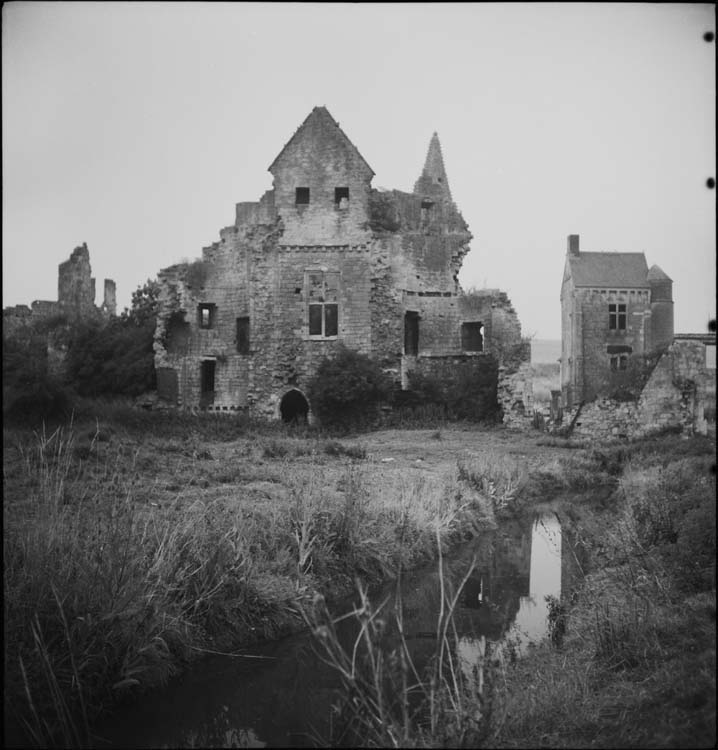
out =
column 347, row 389
column 463, row 392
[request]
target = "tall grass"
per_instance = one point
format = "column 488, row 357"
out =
column 389, row 699
column 108, row 592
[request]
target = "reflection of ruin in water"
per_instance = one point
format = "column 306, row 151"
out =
column 530, row 622
column 284, row 698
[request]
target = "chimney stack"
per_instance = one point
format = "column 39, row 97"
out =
column 573, row 245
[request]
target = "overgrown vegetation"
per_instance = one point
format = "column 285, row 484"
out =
column 383, row 213
column 347, row 389
column 130, row 546
column 461, row 394
column 630, row 659
column 48, row 363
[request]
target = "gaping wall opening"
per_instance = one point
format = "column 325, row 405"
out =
column 207, row 381
column 411, row 333
column 294, row 407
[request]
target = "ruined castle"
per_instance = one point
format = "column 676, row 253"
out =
column 75, row 295
column 321, row 259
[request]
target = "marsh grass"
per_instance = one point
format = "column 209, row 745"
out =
column 636, row 664
column 388, row 699
column 115, row 577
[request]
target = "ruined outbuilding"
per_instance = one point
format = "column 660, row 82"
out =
column 324, row 258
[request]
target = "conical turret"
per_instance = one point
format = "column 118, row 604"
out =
column 433, row 180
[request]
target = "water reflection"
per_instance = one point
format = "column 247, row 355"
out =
column 529, row 622
column 284, row 700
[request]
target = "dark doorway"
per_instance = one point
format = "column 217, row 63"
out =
column 472, row 338
column 411, row 333
column 294, row 407
column 207, row 393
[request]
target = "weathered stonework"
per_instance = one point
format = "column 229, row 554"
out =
column 75, row 295
column 680, row 394
column 613, row 307
column 321, row 259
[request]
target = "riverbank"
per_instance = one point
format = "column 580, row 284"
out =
column 634, row 660
column 136, row 543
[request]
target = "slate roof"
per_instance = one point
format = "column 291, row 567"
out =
column 614, row 270
column 318, row 114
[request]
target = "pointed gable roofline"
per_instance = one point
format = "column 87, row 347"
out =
column 316, row 113
column 433, row 180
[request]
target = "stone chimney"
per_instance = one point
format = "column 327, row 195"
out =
column 573, row 245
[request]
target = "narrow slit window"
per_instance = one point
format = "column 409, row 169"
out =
column 243, row 335
column 411, row 333
column 301, row 196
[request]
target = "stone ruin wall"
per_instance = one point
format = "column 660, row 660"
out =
column 680, row 394
column 75, row 295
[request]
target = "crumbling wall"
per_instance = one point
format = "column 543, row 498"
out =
column 75, row 285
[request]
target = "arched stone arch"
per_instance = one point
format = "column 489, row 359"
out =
column 294, row 407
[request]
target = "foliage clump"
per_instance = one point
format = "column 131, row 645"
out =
column 347, row 389
column 383, row 214
column 461, row 393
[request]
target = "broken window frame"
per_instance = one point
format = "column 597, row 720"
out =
column 300, row 194
column 470, row 330
column 617, row 316
column 206, row 322
column 322, row 298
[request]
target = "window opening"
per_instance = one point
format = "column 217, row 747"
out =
column 323, row 303
column 623, row 362
column 341, row 197
column 472, row 337
column 207, row 315
column 617, row 317
column 614, row 364
column 411, row 333
column 207, row 382
column 243, row 335
column 301, row 196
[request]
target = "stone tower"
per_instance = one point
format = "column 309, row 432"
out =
column 75, row 285
column 433, row 182
column 661, row 308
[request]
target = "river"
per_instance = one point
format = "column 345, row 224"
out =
column 280, row 694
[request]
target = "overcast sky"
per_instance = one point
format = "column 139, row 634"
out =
column 137, row 127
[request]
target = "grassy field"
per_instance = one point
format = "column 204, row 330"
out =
column 136, row 541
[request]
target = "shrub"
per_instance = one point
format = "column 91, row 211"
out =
column 463, row 393
column 347, row 389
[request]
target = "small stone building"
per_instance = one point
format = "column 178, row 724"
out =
column 324, row 258
column 612, row 306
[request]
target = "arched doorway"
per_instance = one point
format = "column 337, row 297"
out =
column 294, row 407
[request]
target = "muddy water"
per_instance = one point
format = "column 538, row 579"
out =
column 280, row 694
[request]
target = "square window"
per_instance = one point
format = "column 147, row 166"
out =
column 301, row 196
column 341, row 197
column 472, row 339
